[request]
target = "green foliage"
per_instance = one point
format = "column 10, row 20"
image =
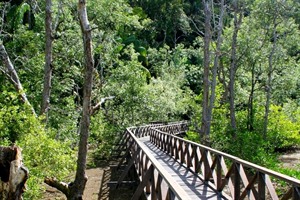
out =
column 44, row 157
column 104, row 135
column 283, row 132
column 13, row 117
column 42, row 154
column 15, row 15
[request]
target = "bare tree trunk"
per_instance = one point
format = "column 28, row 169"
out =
column 233, row 66
column 11, row 73
column 216, row 66
column 207, row 38
column 77, row 189
column 74, row 191
column 270, row 80
column 250, row 117
column 48, row 60
column 13, row 175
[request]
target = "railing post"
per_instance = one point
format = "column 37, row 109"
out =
column 296, row 193
column 261, row 186
column 219, row 174
column 205, row 164
column 237, row 181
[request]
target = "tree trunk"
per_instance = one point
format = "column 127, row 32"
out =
column 76, row 190
column 11, row 73
column 207, row 38
column 48, row 59
column 250, row 117
column 233, row 67
column 12, row 173
column 216, row 67
column 269, row 80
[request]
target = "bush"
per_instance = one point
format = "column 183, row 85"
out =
column 283, row 133
column 42, row 154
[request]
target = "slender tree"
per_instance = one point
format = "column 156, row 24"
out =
column 206, row 64
column 216, row 65
column 80, row 179
column 233, row 63
column 75, row 190
column 48, row 59
column 270, row 77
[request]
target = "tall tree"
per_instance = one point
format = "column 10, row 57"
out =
column 206, row 65
column 237, row 20
column 48, row 59
column 209, row 84
column 75, row 190
column 80, row 179
column 216, row 64
column 270, row 70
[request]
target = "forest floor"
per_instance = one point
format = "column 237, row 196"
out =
column 95, row 176
column 99, row 175
column 93, row 185
column 291, row 159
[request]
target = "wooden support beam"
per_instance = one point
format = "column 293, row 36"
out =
column 128, row 167
column 144, row 182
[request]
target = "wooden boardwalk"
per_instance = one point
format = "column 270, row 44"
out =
column 189, row 181
column 169, row 167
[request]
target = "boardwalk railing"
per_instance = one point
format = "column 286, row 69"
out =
column 174, row 128
column 226, row 174
column 155, row 182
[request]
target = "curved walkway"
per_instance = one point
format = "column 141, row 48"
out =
column 189, row 181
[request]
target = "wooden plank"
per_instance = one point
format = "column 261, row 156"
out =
column 248, row 185
column 138, row 192
column 270, row 188
column 261, row 186
column 184, row 177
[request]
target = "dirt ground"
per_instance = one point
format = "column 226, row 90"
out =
column 91, row 192
column 291, row 159
column 96, row 186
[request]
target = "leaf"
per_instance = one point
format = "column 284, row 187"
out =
column 142, row 51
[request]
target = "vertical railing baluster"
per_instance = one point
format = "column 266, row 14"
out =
column 296, row 193
column 237, row 181
column 219, row 173
column 261, row 186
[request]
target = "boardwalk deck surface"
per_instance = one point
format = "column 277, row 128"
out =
column 190, row 182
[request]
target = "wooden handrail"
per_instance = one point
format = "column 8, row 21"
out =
column 145, row 162
column 210, row 165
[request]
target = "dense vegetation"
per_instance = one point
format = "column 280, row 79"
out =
column 232, row 66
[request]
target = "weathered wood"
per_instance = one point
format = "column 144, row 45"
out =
column 221, row 170
column 13, row 173
column 152, row 174
column 219, row 174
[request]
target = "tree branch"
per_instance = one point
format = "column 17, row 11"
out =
column 98, row 105
column 13, row 75
column 61, row 186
